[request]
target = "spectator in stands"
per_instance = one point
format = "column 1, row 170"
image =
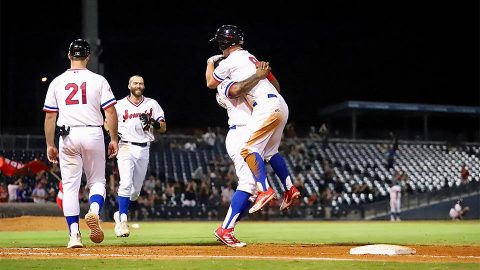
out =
column 326, row 196
column 190, row 146
column 12, row 190
column 324, row 134
column 464, row 173
column 392, row 150
column 52, row 195
column 21, row 191
column 213, row 203
column 227, row 194
column 312, row 134
column 149, row 183
column 290, row 130
column 198, row 174
column 189, row 197
column 328, row 172
column 39, row 194
column 209, row 138
column 3, row 193
column 458, row 211
column 298, row 183
column 169, row 195
column 204, row 192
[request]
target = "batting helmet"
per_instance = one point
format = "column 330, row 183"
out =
column 228, row 35
column 79, row 48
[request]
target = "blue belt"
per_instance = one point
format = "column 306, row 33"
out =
column 269, row 96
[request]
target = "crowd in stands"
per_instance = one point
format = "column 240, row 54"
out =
column 211, row 188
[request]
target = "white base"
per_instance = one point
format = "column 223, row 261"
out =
column 382, row 249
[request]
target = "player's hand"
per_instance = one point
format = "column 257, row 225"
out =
column 263, row 69
column 214, row 58
column 112, row 149
column 52, row 154
column 145, row 119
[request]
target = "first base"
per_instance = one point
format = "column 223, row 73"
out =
column 382, row 249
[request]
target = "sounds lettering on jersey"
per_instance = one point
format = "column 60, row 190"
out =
column 127, row 116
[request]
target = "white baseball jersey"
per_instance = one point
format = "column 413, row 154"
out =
column 395, row 198
column 270, row 112
column 456, row 211
column 77, row 95
column 239, row 113
column 238, row 110
column 129, row 124
column 133, row 159
column 240, row 65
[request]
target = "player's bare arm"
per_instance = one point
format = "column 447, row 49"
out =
column 211, row 82
column 111, row 121
column 163, row 127
column 159, row 126
column 49, row 126
column 243, row 87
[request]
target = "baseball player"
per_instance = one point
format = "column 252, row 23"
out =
column 458, row 210
column 395, row 192
column 138, row 116
column 269, row 113
column 76, row 96
column 239, row 113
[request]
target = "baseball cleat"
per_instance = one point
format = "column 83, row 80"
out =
column 262, row 199
column 75, row 241
column 227, row 237
column 289, row 197
column 96, row 232
column 121, row 228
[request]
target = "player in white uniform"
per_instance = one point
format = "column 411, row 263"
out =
column 138, row 116
column 239, row 114
column 395, row 192
column 269, row 115
column 76, row 96
column 458, row 210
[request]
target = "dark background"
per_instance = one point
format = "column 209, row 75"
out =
column 394, row 51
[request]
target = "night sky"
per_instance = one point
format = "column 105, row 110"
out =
column 394, row 51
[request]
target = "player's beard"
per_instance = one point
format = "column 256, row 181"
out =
column 137, row 92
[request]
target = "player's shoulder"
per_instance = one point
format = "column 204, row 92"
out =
column 59, row 79
column 95, row 76
column 122, row 101
column 148, row 100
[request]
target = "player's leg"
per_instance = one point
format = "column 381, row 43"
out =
column 271, row 154
column 397, row 206
column 245, row 188
column 140, row 172
column 93, row 155
column 71, row 169
column 392, row 207
column 126, row 166
column 241, row 198
column 140, row 166
column 279, row 166
column 261, row 127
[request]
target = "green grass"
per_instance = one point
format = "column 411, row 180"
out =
column 201, row 233
column 55, row 264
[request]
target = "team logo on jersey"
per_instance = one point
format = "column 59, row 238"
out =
column 127, row 115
